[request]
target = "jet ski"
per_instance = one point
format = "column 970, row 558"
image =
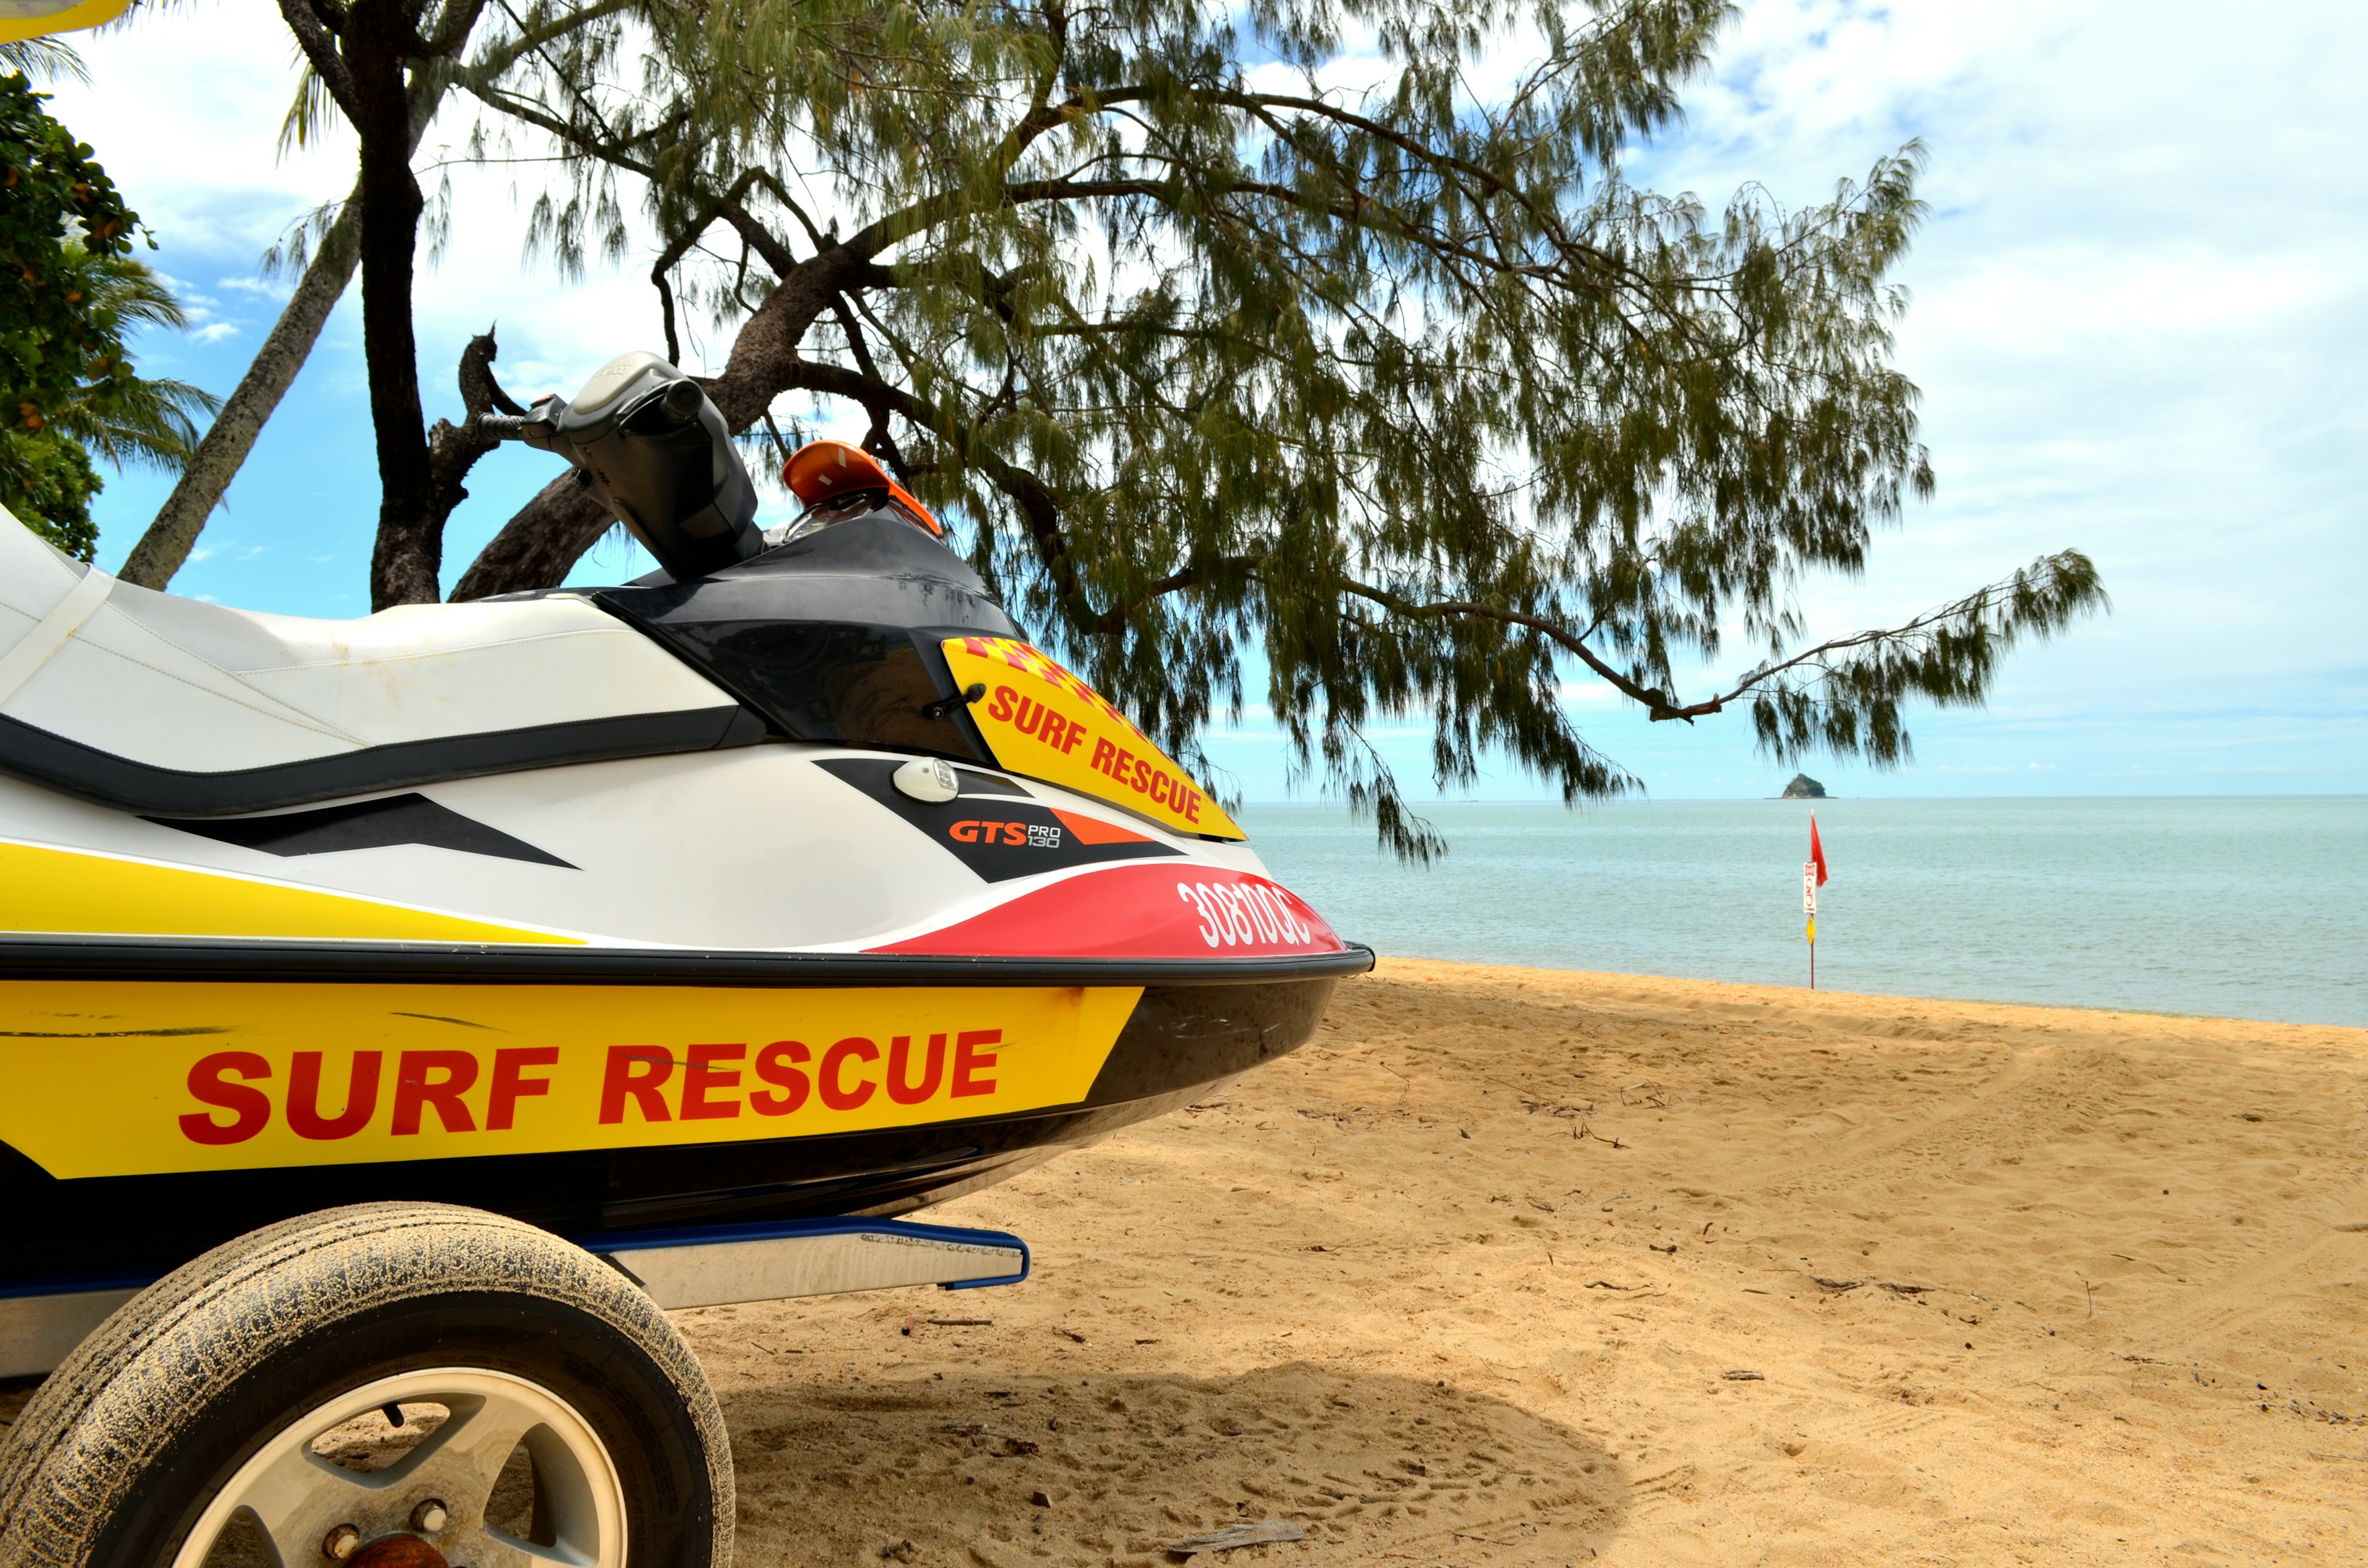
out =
column 791, row 881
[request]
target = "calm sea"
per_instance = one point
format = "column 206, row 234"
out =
column 2239, row 907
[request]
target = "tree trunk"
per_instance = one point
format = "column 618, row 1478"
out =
column 404, row 567
column 166, row 545
column 539, row 545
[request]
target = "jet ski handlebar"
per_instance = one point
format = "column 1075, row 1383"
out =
column 647, row 443
column 503, row 427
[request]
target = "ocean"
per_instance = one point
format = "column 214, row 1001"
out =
column 2249, row 907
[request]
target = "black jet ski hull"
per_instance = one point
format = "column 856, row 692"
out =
column 806, row 888
column 1177, row 1039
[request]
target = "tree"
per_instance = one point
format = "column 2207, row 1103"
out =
column 1406, row 387
column 124, row 418
column 363, row 54
column 70, row 289
column 325, row 252
column 217, row 456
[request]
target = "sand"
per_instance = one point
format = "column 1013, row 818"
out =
column 1517, row 1267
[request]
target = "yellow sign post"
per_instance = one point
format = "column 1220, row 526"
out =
column 1809, row 908
column 1812, row 873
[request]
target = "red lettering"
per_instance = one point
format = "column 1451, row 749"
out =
column 1141, row 780
column 834, row 1092
column 965, row 831
column 1000, row 705
column 900, row 1087
column 1120, row 764
column 1031, row 715
column 249, row 1108
column 774, row 1066
column 510, row 1084
column 415, row 1091
column 1077, row 732
column 1055, row 727
column 640, row 1071
column 304, row 1118
column 700, row 1079
column 969, row 1061
column 1159, row 785
column 1015, row 833
column 1192, row 806
column 1100, row 759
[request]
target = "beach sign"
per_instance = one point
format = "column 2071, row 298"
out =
column 1812, row 873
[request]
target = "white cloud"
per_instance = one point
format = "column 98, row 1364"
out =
column 215, row 332
column 1589, row 694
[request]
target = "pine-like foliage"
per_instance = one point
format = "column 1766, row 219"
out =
column 1330, row 331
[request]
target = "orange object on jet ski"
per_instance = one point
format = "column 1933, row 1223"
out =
column 824, row 471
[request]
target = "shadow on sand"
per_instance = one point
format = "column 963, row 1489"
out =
column 967, row 1469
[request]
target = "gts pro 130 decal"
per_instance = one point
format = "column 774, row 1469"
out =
column 1043, row 722
column 994, row 828
column 147, row 1077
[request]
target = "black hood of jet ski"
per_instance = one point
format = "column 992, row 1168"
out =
column 834, row 636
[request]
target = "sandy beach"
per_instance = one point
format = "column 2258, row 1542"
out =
column 1521, row 1267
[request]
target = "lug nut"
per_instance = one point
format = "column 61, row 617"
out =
column 430, row 1516
column 339, row 1543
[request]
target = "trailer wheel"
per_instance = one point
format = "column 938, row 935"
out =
column 254, row 1405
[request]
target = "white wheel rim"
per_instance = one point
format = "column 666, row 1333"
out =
column 298, row 1498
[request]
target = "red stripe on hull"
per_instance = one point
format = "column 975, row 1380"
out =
column 1139, row 912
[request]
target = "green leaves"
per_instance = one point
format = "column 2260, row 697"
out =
column 70, row 292
column 1401, row 384
column 1847, row 696
column 57, row 210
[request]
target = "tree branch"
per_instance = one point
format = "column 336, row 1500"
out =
column 321, row 49
column 2037, row 601
column 453, row 449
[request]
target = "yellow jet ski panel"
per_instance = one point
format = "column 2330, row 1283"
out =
column 21, row 20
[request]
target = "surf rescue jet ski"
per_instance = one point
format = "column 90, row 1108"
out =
column 787, row 881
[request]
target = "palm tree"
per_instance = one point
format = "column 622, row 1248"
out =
column 43, row 59
column 125, row 418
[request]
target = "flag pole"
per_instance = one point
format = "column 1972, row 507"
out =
column 1812, row 873
column 1809, row 911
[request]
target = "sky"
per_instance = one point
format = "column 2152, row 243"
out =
column 2139, row 321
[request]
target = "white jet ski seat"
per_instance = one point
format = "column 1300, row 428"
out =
column 150, row 702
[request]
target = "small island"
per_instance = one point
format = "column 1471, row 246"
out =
column 1803, row 787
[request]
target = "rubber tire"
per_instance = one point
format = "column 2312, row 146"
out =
column 119, row 1451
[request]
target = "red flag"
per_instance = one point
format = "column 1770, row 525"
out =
column 1816, row 850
